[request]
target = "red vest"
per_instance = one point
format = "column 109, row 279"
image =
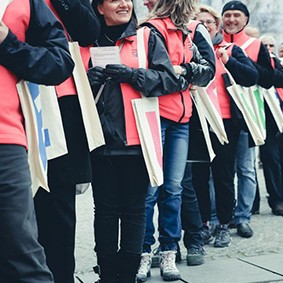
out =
column 17, row 18
column 223, row 97
column 252, row 50
column 279, row 90
column 129, row 57
column 176, row 106
column 68, row 86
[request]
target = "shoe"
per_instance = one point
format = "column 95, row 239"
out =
column 244, row 230
column 232, row 225
column 168, row 269
column 195, row 256
column 144, row 269
column 278, row 209
column 155, row 257
column 206, row 235
column 222, row 237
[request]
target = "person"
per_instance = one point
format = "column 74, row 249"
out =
column 33, row 47
column 244, row 73
column 120, row 178
column 271, row 151
column 56, row 210
column 252, row 31
column 170, row 20
column 280, row 51
column 235, row 16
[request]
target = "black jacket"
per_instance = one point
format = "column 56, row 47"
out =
column 158, row 79
column 44, row 57
column 79, row 19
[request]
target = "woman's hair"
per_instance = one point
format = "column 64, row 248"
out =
column 94, row 5
column 212, row 12
column 179, row 11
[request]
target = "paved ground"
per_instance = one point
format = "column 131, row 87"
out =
column 255, row 260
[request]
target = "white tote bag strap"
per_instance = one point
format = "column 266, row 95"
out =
column 3, row 5
column 248, row 43
column 141, row 48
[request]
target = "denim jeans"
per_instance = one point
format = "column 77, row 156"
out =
column 246, row 174
column 22, row 258
column 175, row 139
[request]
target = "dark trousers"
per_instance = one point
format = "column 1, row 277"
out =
column 271, row 157
column 119, row 188
column 201, row 178
column 223, row 171
column 22, row 259
column 190, row 213
column 55, row 213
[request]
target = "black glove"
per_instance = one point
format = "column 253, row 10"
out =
column 119, row 73
column 96, row 77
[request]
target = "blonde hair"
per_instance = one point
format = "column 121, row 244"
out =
column 179, row 11
column 212, row 12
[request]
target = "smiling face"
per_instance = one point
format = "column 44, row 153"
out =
column 234, row 21
column 209, row 21
column 149, row 4
column 116, row 12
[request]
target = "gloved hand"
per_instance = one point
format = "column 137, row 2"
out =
column 119, row 73
column 96, row 77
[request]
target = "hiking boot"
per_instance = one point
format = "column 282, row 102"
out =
column 206, row 235
column 155, row 257
column 144, row 269
column 168, row 269
column 222, row 236
column 195, row 256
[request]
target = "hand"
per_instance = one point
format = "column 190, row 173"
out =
column 178, row 69
column 119, row 73
column 96, row 76
column 222, row 54
column 3, row 32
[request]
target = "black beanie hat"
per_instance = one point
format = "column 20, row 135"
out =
column 236, row 5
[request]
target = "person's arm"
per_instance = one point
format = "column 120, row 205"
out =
column 278, row 73
column 79, row 20
column 201, row 70
column 44, row 58
column 264, row 68
column 242, row 68
column 158, row 79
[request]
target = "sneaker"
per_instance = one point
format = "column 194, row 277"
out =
column 206, row 235
column 144, row 269
column 222, row 237
column 195, row 256
column 168, row 269
column 155, row 257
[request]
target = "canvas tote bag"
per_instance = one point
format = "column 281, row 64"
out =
column 90, row 115
column 146, row 111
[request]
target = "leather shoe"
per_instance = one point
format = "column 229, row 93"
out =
column 278, row 209
column 244, row 230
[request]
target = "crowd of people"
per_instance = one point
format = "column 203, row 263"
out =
column 187, row 46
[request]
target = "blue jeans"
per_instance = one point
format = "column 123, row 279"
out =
column 22, row 258
column 175, row 139
column 245, row 167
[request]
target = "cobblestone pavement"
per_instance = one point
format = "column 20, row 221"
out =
column 267, row 239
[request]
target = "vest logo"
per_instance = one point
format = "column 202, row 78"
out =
column 134, row 52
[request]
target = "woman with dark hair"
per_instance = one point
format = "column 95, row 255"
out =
column 120, row 178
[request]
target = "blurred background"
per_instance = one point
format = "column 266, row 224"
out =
column 266, row 15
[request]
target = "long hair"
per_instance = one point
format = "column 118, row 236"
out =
column 179, row 11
